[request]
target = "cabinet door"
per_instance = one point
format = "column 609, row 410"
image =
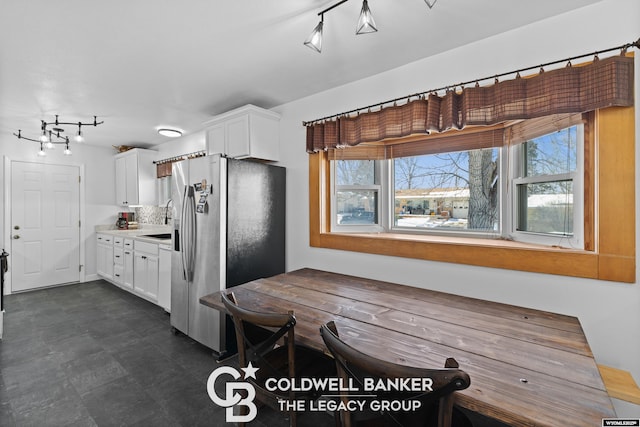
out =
column 152, row 278
column 145, row 275
column 139, row 272
column 121, row 184
column 216, row 139
column 237, row 138
column 164, row 279
column 127, row 280
column 105, row 260
column 100, row 259
column 131, row 177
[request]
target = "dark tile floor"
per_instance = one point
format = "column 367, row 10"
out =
column 92, row 354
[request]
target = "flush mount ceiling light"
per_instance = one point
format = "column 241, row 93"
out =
column 366, row 23
column 55, row 135
column 171, row 133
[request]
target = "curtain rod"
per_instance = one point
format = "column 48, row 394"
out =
column 623, row 47
column 182, row 157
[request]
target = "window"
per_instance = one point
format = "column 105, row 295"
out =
column 463, row 192
column 608, row 219
column 357, row 195
column 548, row 188
column 456, row 191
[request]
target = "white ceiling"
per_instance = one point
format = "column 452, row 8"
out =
column 143, row 64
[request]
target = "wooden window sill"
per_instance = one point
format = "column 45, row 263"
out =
column 471, row 251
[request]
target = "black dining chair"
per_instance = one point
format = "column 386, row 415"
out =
column 275, row 353
column 436, row 402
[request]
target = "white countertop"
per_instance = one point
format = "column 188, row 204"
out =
column 139, row 233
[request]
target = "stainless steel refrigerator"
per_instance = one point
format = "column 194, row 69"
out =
column 228, row 229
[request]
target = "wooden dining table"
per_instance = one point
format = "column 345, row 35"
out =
column 527, row 367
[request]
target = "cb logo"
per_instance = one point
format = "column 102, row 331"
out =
column 232, row 398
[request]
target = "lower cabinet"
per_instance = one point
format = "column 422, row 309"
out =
column 164, row 278
column 127, row 280
column 145, row 269
column 141, row 267
column 104, row 262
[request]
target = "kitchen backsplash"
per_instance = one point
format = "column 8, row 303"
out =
column 151, row 214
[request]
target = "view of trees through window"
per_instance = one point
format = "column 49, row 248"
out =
column 356, row 192
column 545, row 193
column 450, row 190
column 462, row 190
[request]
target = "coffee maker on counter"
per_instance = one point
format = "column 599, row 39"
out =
column 127, row 221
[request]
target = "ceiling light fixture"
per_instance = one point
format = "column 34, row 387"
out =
column 171, row 133
column 51, row 137
column 314, row 41
column 366, row 23
column 430, row 3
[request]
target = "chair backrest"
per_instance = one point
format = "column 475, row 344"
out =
column 253, row 344
column 354, row 364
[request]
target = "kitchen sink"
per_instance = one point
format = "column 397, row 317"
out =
column 158, row 236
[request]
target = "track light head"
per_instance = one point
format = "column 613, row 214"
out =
column 314, row 41
column 366, row 23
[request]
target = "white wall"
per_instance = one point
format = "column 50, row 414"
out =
column 609, row 312
column 186, row 144
column 99, row 184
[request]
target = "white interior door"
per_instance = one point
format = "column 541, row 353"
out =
column 45, row 225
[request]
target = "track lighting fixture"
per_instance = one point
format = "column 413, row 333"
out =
column 430, row 3
column 366, row 23
column 55, row 135
column 314, row 41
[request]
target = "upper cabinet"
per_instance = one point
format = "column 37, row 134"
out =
column 246, row 132
column 135, row 177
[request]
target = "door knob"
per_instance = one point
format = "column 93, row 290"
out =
column 16, row 227
column 16, row 237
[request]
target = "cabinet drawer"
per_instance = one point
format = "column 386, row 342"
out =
column 149, row 248
column 104, row 238
column 118, row 274
column 118, row 241
column 118, row 256
column 128, row 244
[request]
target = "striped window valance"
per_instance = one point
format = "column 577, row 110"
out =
column 572, row 89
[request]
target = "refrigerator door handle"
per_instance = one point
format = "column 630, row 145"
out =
column 192, row 232
column 183, row 226
column 188, row 233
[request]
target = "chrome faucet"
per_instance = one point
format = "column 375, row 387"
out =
column 166, row 212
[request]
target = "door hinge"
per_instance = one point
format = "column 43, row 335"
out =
column 79, row 223
column 80, row 268
column 79, row 179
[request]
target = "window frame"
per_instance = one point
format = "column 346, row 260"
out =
column 609, row 250
column 516, row 177
column 378, row 186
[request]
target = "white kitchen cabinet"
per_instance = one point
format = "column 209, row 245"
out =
column 118, row 260
column 118, row 265
column 104, row 250
column 164, row 277
column 246, row 132
column 145, row 269
column 135, row 177
column 127, row 279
